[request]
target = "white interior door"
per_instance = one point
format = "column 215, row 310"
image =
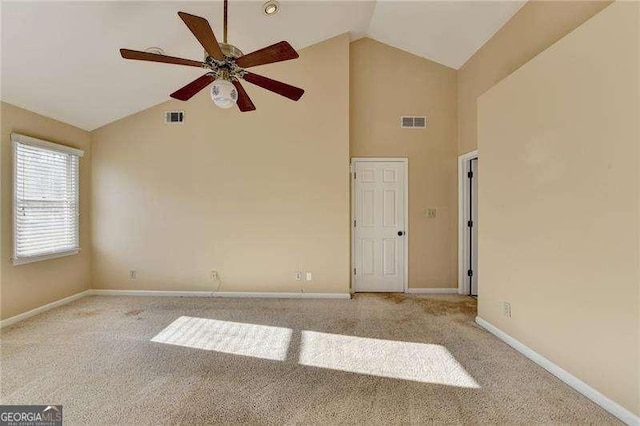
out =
column 379, row 226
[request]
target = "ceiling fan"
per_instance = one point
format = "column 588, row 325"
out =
column 226, row 66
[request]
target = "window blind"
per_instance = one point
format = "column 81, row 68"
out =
column 46, row 200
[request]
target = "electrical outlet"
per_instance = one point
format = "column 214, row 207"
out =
column 298, row 276
column 506, row 309
column 430, row 213
column 214, row 275
column 133, row 274
column 309, row 276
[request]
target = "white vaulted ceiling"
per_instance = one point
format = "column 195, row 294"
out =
column 61, row 59
column 448, row 32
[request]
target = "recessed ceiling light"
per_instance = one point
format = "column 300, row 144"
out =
column 271, row 7
column 155, row 50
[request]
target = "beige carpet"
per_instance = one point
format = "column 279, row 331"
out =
column 374, row 359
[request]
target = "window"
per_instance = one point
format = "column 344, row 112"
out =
column 45, row 199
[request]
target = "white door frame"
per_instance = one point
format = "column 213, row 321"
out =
column 463, row 195
column 405, row 160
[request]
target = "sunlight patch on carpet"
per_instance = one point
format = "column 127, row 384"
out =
column 420, row 362
column 260, row 341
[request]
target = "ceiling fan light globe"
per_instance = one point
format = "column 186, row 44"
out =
column 224, row 104
column 224, row 93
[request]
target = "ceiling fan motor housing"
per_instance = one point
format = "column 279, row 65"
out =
column 229, row 51
column 227, row 69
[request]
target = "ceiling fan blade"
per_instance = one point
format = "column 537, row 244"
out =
column 202, row 30
column 291, row 92
column 244, row 101
column 275, row 53
column 153, row 57
column 188, row 91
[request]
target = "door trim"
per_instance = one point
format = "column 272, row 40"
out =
column 405, row 160
column 463, row 160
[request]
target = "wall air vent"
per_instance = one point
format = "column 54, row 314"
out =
column 174, row 117
column 411, row 122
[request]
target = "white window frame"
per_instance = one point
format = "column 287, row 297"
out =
column 28, row 140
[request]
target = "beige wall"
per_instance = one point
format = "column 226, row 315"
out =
column 535, row 27
column 559, row 212
column 256, row 196
column 29, row 286
column 378, row 99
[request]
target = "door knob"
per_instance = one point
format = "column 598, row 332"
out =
column 400, row 233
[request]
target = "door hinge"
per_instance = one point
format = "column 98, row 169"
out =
column 470, row 224
column 354, row 175
column 354, row 271
column 469, row 175
column 354, row 223
column 470, row 272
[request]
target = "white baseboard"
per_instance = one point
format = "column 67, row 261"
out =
column 613, row 407
column 431, row 290
column 170, row 293
column 23, row 316
column 229, row 294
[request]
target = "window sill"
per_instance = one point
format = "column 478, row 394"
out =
column 25, row 260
